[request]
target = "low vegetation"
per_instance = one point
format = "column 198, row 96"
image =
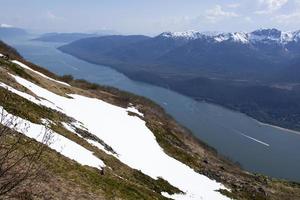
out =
column 19, row 156
column 66, row 178
column 179, row 143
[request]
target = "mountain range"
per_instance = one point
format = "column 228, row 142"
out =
column 255, row 73
column 63, row 37
column 110, row 144
column 9, row 32
column 70, row 37
column 261, row 35
column 262, row 54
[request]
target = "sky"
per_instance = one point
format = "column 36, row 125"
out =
column 150, row 17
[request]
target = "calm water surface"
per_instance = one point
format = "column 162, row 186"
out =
column 258, row 148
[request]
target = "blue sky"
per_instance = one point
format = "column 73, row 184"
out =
column 150, row 17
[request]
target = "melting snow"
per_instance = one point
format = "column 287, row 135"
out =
column 69, row 128
column 58, row 142
column 132, row 140
column 92, row 142
column 26, row 67
column 29, row 97
column 136, row 111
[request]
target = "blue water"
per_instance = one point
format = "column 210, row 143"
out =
column 258, row 148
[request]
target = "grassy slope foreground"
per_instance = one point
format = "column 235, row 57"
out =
column 129, row 150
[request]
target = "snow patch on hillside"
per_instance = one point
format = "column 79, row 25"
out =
column 43, row 75
column 129, row 136
column 134, row 110
column 71, row 128
column 42, row 102
column 57, row 142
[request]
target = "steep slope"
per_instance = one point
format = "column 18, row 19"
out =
column 152, row 48
column 11, row 52
column 289, row 74
column 145, row 154
column 255, row 55
column 224, row 59
column 130, row 148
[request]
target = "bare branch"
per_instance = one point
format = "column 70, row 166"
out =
column 19, row 155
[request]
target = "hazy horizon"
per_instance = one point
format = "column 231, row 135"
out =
column 150, row 18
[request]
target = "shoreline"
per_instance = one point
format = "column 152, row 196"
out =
column 277, row 127
column 215, row 104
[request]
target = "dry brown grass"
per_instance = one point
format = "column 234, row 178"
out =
column 176, row 141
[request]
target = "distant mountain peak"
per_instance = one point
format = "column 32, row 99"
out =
column 274, row 35
column 260, row 35
column 270, row 32
column 189, row 35
column 236, row 37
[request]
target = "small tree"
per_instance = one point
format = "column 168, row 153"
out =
column 19, row 155
column 67, row 78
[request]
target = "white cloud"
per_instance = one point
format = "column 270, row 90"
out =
column 248, row 19
column 287, row 19
column 233, row 5
column 290, row 19
column 217, row 13
column 5, row 26
column 269, row 6
column 50, row 15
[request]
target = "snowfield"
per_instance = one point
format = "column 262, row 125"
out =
column 57, row 142
column 26, row 67
column 134, row 110
column 128, row 135
column 92, row 142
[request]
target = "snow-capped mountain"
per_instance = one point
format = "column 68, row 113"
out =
column 187, row 35
column 257, row 55
column 116, row 145
column 261, row 35
column 274, row 35
column 236, row 37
